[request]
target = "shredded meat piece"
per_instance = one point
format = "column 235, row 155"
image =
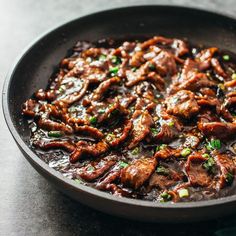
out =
column 104, row 86
column 142, row 122
column 218, row 129
column 138, row 172
column 54, row 144
column 30, row 108
column 94, row 170
column 83, row 148
column 182, row 104
column 165, row 63
column 226, row 166
column 88, row 130
column 197, row 175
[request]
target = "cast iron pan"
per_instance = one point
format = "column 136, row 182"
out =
column 37, row 63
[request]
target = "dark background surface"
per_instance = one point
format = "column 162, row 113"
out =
column 28, row 204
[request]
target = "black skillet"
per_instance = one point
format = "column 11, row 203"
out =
column 37, row 63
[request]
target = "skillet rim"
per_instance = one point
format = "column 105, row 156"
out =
column 42, row 166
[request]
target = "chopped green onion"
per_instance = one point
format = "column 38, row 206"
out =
column 183, row 192
column 205, row 155
column 226, row 57
column 154, row 131
column 185, row 152
column 55, row 134
column 214, row 144
column 161, row 147
column 135, row 151
column 62, row 88
column 151, row 66
column 165, row 196
column 102, row 57
column 171, row 123
column 114, row 70
column 78, row 181
column 221, row 86
column 90, row 168
column 101, row 111
column 123, row 164
column 209, row 164
column 229, row 178
column 110, row 137
column 233, row 76
column 162, row 170
column 116, row 60
column 115, row 112
column 93, row 120
column 134, row 69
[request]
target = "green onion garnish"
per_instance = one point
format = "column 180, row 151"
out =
column 214, row 144
column 151, row 66
column 154, row 131
column 123, row 164
column 162, row 170
column 110, row 137
column 101, row 111
column 116, row 60
column 229, row 178
column 233, row 76
column 185, row 152
column 171, row 123
column 114, row 70
column 165, row 196
column 90, row 168
column 102, row 57
column 78, row 181
column 55, row 134
column 209, row 164
column 183, row 192
column 205, row 155
column 135, row 151
column 226, row 57
column 93, row 120
column 134, row 69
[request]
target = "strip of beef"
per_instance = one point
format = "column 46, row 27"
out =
column 182, row 104
column 119, row 135
column 218, row 68
column 30, row 108
column 197, row 175
column 227, row 169
column 142, row 121
column 55, row 144
column 95, row 169
column 86, row 149
column 167, row 152
column 190, row 78
column 89, row 130
column 104, row 86
column 136, row 174
column 48, row 124
column 165, row 63
column 218, row 129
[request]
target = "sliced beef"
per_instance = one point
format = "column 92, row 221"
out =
column 95, row 169
column 55, row 144
column 165, row 63
column 136, row 174
column 104, row 86
column 142, row 122
column 89, row 130
column 182, row 104
column 89, row 150
column 227, row 169
column 30, row 108
column 218, row 129
column 197, row 175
